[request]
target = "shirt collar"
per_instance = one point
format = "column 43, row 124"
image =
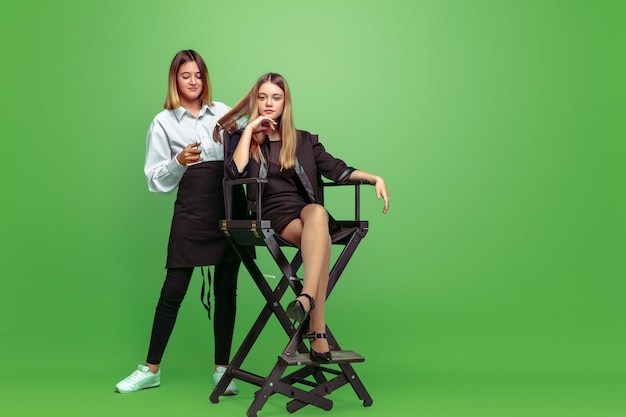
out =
column 180, row 111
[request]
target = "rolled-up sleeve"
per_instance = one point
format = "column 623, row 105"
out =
column 162, row 170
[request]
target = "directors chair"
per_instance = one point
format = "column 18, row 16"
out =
column 307, row 382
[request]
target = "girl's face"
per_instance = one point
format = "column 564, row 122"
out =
column 270, row 100
column 189, row 81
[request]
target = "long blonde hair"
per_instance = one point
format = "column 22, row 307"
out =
column 172, row 100
column 247, row 107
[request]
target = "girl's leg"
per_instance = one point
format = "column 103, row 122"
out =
column 172, row 295
column 317, row 322
column 225, row 293
column 310, row 233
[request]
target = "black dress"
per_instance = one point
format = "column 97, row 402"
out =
column 287, row 192
column 283, row 196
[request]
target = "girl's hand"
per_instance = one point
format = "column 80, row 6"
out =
column 382, row 192
column 262, row 125
column 189, row 154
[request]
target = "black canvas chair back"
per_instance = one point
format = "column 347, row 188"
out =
column 308, row 383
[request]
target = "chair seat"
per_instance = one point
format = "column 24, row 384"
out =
column 254, row 232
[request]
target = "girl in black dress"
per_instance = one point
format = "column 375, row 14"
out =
column 270, row 146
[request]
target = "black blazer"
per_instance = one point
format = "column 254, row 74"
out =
column 312, row 162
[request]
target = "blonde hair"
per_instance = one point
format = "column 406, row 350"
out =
column 172, row 100
column 247, row 107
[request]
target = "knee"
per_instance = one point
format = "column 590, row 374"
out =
column 225, row 288
column 171, row 297
column 317, row 213
column 175, row 285
column 168, row 307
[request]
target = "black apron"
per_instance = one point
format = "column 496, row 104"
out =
column 195, row 237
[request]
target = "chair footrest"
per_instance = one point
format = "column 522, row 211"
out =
column 339, row 356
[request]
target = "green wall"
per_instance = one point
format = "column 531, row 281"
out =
column 493, row 287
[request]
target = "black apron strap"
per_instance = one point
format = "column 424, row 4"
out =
column 207, row 304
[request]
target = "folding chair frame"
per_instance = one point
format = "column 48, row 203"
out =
column 246, row 234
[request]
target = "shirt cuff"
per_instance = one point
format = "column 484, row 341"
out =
column 176, row 168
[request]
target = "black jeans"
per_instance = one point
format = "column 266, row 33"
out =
column 172, row 295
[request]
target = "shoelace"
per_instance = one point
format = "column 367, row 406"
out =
column 135, row 376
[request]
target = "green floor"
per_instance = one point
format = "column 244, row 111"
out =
column 434, row 395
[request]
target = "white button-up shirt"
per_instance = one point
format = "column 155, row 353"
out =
column 169, row 133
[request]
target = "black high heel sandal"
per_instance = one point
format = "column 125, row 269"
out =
column 296, row 311
column 317, row 356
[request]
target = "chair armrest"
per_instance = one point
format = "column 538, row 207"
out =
column 228, row 185
column 357, row 193
column 339, row 184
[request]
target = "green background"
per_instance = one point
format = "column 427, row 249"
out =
column 493, row 287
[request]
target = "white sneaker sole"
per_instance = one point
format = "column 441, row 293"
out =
column 123, row 391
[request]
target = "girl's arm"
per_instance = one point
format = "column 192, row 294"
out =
column 259, row 126
column 376, row 181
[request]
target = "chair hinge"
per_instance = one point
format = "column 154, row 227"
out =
column 254, row 230
column 225, row 228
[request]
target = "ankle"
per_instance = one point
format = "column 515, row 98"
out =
column 320, row 345
column 153, row 368
column 307, row 301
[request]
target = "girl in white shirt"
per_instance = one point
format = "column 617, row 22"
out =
column 181, row 153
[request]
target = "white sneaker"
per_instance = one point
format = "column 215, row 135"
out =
column 140, row 378
column 231, row 389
